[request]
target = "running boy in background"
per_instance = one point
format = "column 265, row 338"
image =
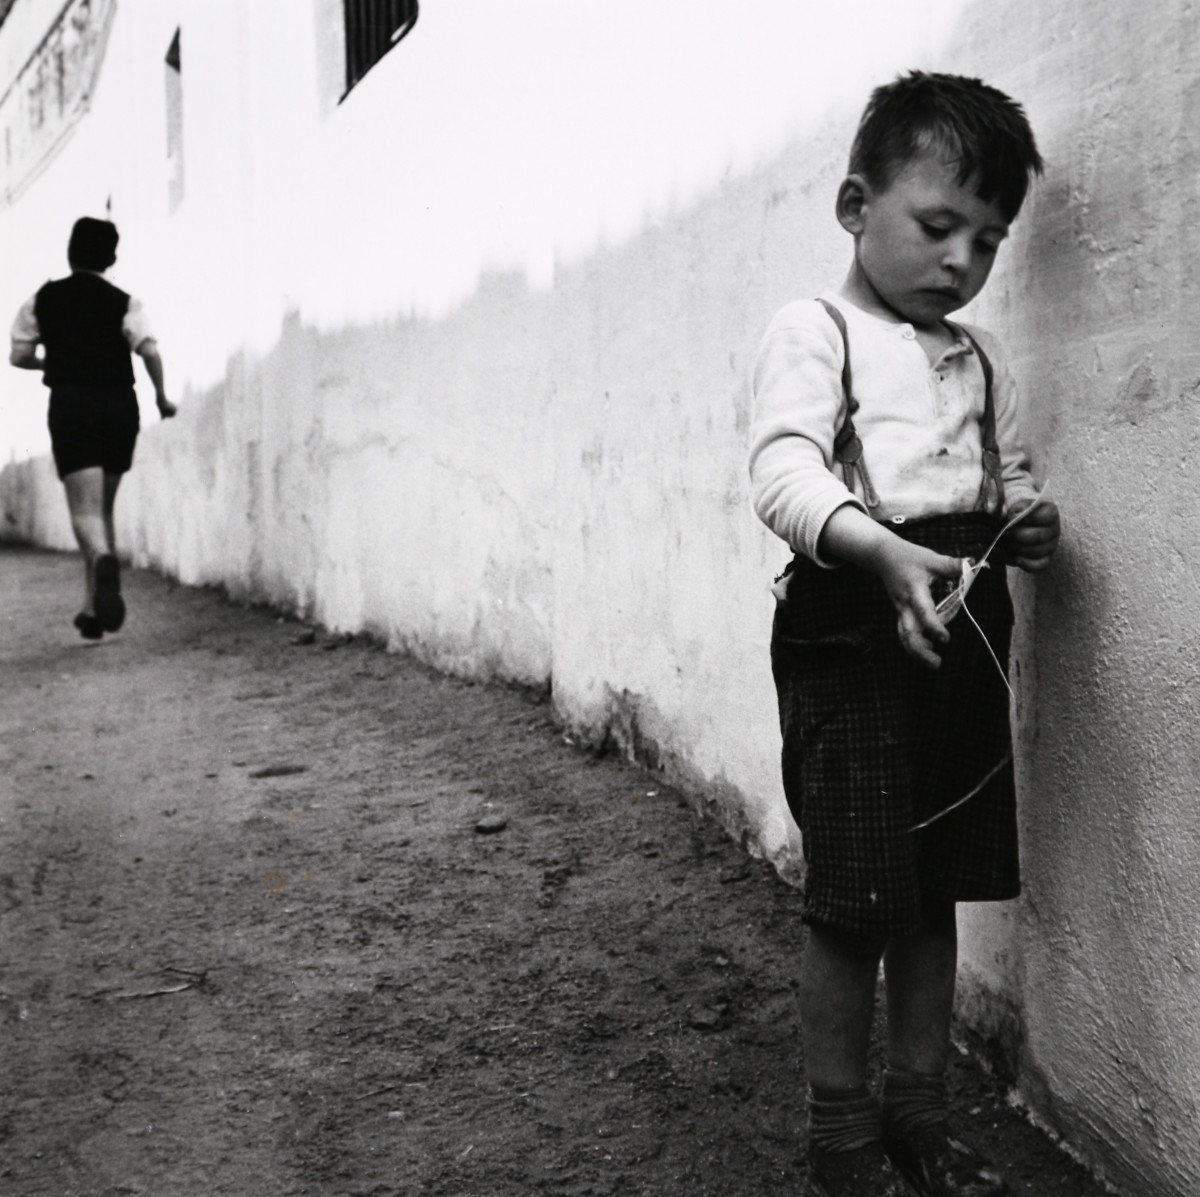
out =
column 886, row 479
column 87, row 329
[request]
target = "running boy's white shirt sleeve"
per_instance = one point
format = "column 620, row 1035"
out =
column 136, row 325
column 25, row 329
column 1016, row 465
column 798, row 408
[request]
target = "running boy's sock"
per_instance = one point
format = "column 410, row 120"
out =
column 843, row 1119
column 914, row 1100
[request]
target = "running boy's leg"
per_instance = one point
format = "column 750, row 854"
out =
column 106, row 573
column 85, row 500
column 111, row 482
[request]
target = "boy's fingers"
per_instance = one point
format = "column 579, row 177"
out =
column 915, row 642
column 947, row 567
column 921, row 629
column 1041, row 515
column 1033, row 565
column 1034, row 531
column 930, row 625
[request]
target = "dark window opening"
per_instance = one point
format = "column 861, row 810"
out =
column 174, row 124
column 173, row 58
column 373, row 27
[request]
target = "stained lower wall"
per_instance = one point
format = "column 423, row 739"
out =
column 550, row 486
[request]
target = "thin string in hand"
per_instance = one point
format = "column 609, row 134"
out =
column 959, row 595
column 950, row 606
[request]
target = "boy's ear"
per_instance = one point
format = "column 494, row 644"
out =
column 852, row 203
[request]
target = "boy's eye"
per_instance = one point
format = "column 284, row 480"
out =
column 988, row 247
column 936, row 231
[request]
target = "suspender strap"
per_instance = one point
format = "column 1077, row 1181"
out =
column 992, row 485
column 847, row 448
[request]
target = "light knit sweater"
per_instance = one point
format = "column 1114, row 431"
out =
column 920, row 424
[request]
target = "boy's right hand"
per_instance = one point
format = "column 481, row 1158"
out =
column 908, row 572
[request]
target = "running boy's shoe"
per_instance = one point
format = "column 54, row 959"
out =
column 89, row 626
column 936, row 1164
column 864, row 1172
column 110, row 606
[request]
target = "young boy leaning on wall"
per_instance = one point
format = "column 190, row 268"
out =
column 887, row 452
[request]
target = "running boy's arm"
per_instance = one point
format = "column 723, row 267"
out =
column 25, row 339
column 148, row 351
column 906, row 570
column 140, row 336
column 24, row 356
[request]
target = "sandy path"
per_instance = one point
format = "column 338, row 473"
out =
column 252, row 942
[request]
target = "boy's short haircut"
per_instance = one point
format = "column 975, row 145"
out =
column 93, row 244
column 971, row 126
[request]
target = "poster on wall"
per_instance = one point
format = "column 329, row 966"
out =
column 52, row 92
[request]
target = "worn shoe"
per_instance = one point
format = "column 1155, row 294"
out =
column 110, row 606
column 89, row 626
column 936, row 1164
column 863, row 1172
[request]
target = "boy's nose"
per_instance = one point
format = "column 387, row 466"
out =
column 956, row 254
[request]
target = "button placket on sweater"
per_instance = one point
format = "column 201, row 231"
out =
column 939, row 374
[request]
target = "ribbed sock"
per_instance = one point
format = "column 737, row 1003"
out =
column 913, row 1100
column 843, row 1119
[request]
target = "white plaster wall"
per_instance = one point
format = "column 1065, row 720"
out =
column 1107, row 315
column 509, row 433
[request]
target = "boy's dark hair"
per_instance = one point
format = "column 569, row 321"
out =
column 969, row 124
column 93, row 244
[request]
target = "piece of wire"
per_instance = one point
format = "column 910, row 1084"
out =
column 966, row 797
column 964, row 586
column 991, row 651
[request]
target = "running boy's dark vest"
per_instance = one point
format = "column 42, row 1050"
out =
column 80, row 321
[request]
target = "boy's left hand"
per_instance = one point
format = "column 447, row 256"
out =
column 1032, row 542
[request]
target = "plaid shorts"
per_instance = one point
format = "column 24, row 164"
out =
column 875, row 743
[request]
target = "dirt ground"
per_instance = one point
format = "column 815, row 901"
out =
column 281, row 917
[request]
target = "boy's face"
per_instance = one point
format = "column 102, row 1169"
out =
column 925, row 244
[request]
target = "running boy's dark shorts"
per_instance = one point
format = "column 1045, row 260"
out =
column 875, row 743
column 93, row 426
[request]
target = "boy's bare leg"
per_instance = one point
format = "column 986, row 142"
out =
column 85, row 501
column 920, row 970
column 111, row 482
column 837, row 1004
